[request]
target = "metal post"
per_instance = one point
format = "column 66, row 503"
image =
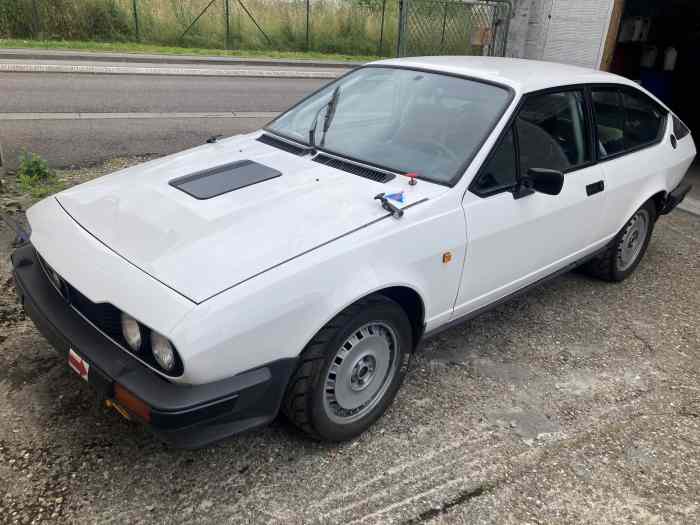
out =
column 381, row 30
column 196, row 19
column 401, row 40
column 227, row 12
column 134, row 6
column 35, row 14
column 308, row 8
column 444, row 23
column 254, row 21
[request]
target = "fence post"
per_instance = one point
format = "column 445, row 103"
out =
column 444, row 23
column 227, row 11
column 401, row 40
column 308, row 7
column 35, row 14
column 135, row 7
column 381, row 30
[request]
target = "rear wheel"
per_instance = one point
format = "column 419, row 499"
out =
column 350, row 372
column 626, row 250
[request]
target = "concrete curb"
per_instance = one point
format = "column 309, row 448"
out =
column 172, row 71
column 48, row 54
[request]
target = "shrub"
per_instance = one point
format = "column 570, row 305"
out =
column 33, row 168
column 35, row 177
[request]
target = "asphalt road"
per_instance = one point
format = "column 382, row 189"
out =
column 576, row 403
column 76, row 142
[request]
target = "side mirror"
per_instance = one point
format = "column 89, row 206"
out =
column 549, row 182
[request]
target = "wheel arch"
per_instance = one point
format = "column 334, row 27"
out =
column 404, row 295
column 659, row 200
column 412, row 303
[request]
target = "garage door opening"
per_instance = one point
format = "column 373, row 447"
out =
column 658, row 44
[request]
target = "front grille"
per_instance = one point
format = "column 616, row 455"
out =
column 107, row 319
column 104, row 316
column 355, row 169
column 283, row 145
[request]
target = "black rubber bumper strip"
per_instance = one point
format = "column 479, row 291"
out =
column 184, row 415
column 676, row 197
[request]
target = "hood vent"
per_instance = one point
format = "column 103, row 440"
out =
column 355, row 169
column 283, row 145
column 223, row 179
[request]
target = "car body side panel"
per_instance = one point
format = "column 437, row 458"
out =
column 277, row 313
column 633, row 178
column 514, row 242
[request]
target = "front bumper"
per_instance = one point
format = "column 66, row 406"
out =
column 187, row 416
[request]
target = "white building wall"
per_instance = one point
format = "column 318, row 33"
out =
column 568, row 31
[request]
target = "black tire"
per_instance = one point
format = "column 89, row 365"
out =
column 306, row 400
column 608, row 266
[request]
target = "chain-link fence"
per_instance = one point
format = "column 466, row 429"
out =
column 453, row 27
column 355, row 27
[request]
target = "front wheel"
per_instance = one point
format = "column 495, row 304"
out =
column 349, row 374
column 626, row 250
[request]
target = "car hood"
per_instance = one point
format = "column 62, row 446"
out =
column 201, row 247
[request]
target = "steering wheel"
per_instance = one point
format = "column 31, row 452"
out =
column 441, row 148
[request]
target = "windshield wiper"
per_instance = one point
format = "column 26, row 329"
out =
column 330, row 113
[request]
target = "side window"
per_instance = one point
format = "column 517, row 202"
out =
column 625, row 120
column 499, row 171
column 644, row 119
column 680, row 130
column 610, row 116
column 552, row 132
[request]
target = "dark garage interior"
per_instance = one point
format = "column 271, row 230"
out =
column 657, row 45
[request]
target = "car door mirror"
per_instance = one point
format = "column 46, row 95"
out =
column 549, row 182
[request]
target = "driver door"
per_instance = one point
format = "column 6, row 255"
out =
column 513, row 242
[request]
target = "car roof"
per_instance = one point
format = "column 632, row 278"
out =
column 522, row 75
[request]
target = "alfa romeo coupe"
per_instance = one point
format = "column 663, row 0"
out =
column 298, row 267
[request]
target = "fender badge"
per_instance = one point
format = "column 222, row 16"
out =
column 398, row 197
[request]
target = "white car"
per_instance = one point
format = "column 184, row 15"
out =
column 297, row 268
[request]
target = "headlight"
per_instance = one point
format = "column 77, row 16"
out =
column 163, row 351
column 131, row 331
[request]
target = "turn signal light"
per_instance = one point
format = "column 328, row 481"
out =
column 132, row 403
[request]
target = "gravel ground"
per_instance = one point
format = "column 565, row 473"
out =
column 576, row 403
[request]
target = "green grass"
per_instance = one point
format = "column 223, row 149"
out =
column 133, row 47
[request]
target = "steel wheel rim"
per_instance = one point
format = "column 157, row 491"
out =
column 361, row 372
column 632, row 241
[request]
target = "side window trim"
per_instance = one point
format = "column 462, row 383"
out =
column 510, row 127
column 590, row 121
column 620, row 89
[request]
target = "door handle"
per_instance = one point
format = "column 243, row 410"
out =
column 595, row 187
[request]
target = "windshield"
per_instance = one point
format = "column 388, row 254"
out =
column 400, row 119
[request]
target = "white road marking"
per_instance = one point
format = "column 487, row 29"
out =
column 100, row 116
column 165, row 70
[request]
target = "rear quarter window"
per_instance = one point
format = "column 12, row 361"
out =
column 680, row 130
column 626, row 119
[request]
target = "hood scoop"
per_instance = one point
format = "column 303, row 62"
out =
column 216, row 181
